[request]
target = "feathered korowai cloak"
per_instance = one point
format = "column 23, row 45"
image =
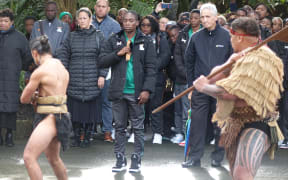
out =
column 257, row 79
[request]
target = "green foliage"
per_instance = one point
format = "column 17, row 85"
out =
column 117, row 4
column 86, row 3
column 23, row 8
column 22, row 81
column 142, row 8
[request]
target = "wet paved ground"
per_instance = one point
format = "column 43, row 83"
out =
column 160, row 162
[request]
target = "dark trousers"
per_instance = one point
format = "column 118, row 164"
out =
column 283, row 120
column 168, row 115
column 202, row 109
column 8, row 120
column 122, row 110
column 157, row 118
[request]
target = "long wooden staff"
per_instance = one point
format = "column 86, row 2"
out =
column 281, row 36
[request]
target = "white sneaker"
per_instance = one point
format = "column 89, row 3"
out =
column 131, row 139
column 113, row 134
column 212, row 142
column 177, row 138
column 157, row 139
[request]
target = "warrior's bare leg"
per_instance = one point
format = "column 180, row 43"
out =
column 252, row 145
column 39, row 141
column 53, row 155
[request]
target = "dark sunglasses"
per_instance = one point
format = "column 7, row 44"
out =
column 147, row 25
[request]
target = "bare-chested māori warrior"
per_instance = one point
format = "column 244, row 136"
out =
column 52, row 125
column 247, row 95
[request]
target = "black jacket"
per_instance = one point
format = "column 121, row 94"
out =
column 144, row 64
column 15, row 55
column 79, row 54
column 206, row 49
column 180, row 48
column 171, row 68
column 281, row 50
column 163, row 58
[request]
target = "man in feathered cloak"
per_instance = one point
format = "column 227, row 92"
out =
column 247, row 96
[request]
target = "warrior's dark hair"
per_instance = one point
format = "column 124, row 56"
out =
column 247, row 26
column 7, row 13
column 154, row 24
column 41, row 45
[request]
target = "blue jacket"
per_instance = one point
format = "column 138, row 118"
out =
column 108, row 26
column 57, row 32
column 206, row 49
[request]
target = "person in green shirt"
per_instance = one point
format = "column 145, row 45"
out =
column 132, row 58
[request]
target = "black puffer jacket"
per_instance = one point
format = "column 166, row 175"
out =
column 144, row 64
column 14, row 55
column 163, row 58
column 180, row 48
column 79, row 54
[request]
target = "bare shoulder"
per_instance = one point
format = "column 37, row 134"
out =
column 61, row 66
column 37, row 73
column 59, row 63
column 54, row 64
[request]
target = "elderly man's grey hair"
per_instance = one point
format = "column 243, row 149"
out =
column 210, row 7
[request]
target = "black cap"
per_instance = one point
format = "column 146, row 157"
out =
column 184, row 16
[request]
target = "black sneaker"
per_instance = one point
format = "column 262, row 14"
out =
column 135, row 163
column 121, row 163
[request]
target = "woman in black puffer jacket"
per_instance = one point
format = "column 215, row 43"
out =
column 150, row 27
column 79, row 54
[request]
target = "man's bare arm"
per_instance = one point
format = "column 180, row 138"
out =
column 225, row 73
column 203, row 85
column 217, row 92
column 31, row 87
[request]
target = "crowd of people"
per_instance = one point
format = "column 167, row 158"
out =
column 121, row 69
